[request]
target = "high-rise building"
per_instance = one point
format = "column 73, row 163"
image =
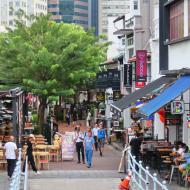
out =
column 94, row 15
column 70, row 11
column 8, row 9
column 111, row 8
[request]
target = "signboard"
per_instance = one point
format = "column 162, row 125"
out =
column 188, row 120
column 116, row 95
column 128, row 75
column 141, row 65
column 139, row 84
column 177, row 107
column 100, row 96
column 68, row 146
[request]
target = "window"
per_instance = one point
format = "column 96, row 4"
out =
column 135, row 5
column 177, row 20
column 10, row 23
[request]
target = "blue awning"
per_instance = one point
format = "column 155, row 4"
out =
column 169, row 94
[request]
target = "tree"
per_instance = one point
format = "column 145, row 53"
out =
column 50, row 59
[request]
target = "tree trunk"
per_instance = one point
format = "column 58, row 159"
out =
column 41, row 113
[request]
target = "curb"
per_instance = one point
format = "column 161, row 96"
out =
column 116, row 146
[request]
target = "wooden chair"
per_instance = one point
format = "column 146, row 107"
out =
column 54, row 152
column 3, row 161
column 43, row 159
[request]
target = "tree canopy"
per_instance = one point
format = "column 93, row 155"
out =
column 48, row 58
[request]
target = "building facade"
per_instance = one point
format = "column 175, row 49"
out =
column 94, row 15
column 70, row 11
column 174, row 25
column 8, row 9
column 111, row 8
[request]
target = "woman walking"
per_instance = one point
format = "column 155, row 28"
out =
column 29, row 153
column 89, row 143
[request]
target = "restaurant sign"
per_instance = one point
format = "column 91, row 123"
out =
column 177, row 107
column 141, row 65
column 128, row 75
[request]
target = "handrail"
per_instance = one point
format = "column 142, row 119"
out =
column 26, row 175
column 16, row 177
column 140, row 179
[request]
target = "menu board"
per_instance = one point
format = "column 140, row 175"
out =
column 68, row 146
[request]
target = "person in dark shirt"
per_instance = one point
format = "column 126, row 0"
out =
column 135, row 144
column 29, row 151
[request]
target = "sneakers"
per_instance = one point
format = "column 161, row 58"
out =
column 22, row 173
column 37, row 173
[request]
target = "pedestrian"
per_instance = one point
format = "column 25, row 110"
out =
column 29, row 153
column 101, row 138
column 95, row 135
column 68, row 117
column 89, row 143
column 135, row 145
column 75, row 117
column 10, row 153
column 88, row 119
column 79, row 139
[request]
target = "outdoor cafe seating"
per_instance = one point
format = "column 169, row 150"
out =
column 158, row 155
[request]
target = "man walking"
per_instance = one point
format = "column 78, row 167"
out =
column 101, row 138
column 135, row 144
column 10, row 152
column 79, row 138
column 95, row 135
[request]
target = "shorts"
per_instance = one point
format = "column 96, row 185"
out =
column 101, row 142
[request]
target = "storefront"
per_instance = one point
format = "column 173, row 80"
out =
column 173, row 108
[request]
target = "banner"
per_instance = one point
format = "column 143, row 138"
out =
column 128, row 75
column 141, row 66
column 68, row 146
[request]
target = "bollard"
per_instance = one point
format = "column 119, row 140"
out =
column 140, row 173
column 164, row 185
column 147, row 179
column 154, row 181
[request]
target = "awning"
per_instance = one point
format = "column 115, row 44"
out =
column 131, row 99
column 169, row 94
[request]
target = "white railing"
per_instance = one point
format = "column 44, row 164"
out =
column 16, row 177
column 142, row 179
column 26, row 175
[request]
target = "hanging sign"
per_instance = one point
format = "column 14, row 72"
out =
column 188, row 120
column 139, row 84
column 141, row 65
column 177, row 107
column 128, row 75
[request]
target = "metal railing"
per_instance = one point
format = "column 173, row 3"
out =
column 26, row 175
column 142, row 179
column 16, row 177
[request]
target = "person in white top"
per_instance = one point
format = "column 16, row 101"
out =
column 95, row 135
column 79, row 138
column 10, row 153
column 88, row 119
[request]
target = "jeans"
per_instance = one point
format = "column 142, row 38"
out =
column 11, row 163
column 96, row 142
column 89, row 154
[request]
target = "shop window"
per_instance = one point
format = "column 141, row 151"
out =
column 177, row 20
column 135, row 5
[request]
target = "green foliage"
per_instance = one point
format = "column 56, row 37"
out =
column 50, row 59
